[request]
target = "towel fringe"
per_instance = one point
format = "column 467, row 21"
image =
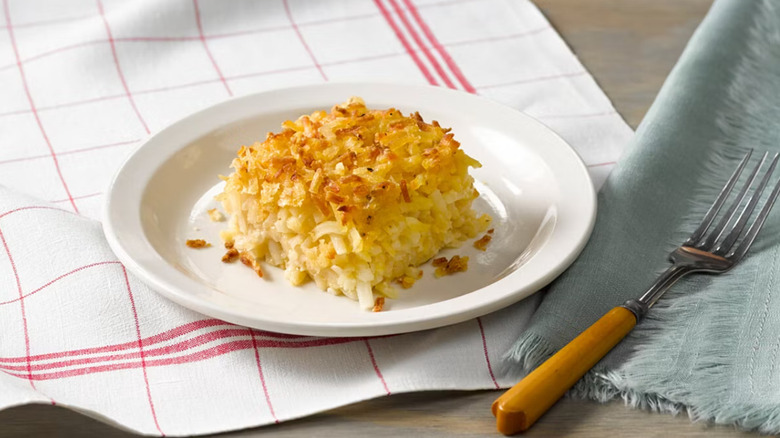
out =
column 706, row 389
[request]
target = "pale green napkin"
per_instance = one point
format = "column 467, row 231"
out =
column 711, row 346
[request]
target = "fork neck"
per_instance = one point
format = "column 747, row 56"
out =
column 641, row 305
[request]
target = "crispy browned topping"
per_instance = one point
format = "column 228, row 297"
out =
column 197, row 243
column 379, row 304
column 365, row 181
column 334, row 198
column 490, row 231
column 350, row 179
column 321, row 206
column 453, row 265
column 230, row 256
column 441, row 261
column 352, row 153
column 250, row 262
column 482, row 243
column 405, row 191
column 450, row 142
column 361, row 190
column 229, row 244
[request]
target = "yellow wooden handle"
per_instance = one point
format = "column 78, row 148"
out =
column 519, row 408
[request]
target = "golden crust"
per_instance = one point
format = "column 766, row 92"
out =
column 363, row 159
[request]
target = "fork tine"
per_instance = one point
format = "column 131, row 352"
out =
column 707, row 242
column 744, row 216
column 709, row 217
column 752, row 232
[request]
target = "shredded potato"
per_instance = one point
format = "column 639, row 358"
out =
column 353, row 199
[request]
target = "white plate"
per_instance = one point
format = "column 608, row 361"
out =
column 532, row 183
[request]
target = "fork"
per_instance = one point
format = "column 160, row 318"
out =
column 712, row 251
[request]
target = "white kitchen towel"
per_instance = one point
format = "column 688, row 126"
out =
column 84, row 82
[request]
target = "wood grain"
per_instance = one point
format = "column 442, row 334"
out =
column 629, row 46
column 430, row 414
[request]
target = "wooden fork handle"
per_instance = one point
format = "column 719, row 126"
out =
column 519, row 408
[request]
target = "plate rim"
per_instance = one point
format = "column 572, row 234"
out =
column 176, row 292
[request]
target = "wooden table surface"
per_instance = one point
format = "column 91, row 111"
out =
column 629, row 46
